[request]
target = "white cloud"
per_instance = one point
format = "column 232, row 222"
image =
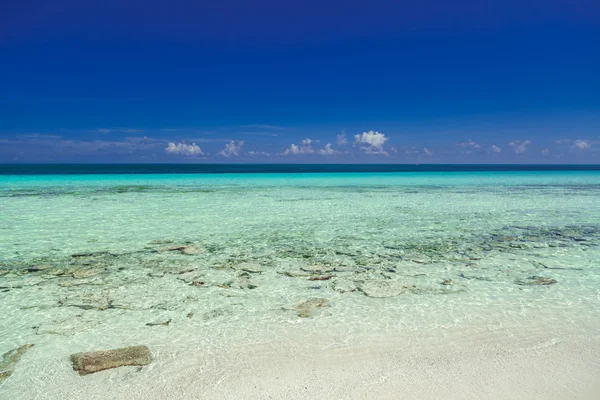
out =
column 519, row 146
column 562, row 141
column 495, row 149
column 427, row 152
column 470, row 143
column 129, row 130
column 374, row 141
column 231, row 149
column 327, row 150
column 305, row 147
column 582, row 144
column 341, row 140
column 545, row 152
column 294, row 149
column 184, row 149
column 264, row 126
column 258, row 154
column 123, row 130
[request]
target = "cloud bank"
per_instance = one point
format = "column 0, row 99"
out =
column 371, row 142
column 231, row 149
column 184, row 149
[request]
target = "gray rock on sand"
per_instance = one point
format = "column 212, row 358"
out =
column 381, row 289
column 88, row 363
column 311, row 307
column 10, row 359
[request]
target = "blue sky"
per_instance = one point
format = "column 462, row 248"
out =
column 327, row 81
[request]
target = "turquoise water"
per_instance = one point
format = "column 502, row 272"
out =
column 86, row 261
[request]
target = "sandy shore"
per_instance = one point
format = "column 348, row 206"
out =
column 554, row 368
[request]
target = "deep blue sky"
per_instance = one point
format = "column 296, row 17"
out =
column 341, row 81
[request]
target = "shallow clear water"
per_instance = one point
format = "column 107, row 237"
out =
column 87, row 261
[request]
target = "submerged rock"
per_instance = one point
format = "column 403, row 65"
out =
column 536, row 280
column 478, row 278
column 317, row 268
column 426, row 290
column 216, row 313
column 10, row 359
column 311, row 307
column 295, row 274
column 344, row 286
column 192, row 251
column 253, row 268
column 241, row 283
column 88, row 363
column 183, row 249
column 90, row 254
column 417, row 258
column 164, row 323
column 173, row 248
column 86, row 273
column 88, row 301
column 320, row 277
column 381, row 289
column 39, row 268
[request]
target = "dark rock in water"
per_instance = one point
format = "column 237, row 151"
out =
column 173, row 248
column 10, row 359
column 88, row 301
column 38, row 268
column 240, row 283
column 88, row 363
column 426, row 291
column 295, row 274
column 86, row 273
column 216, row 313
column 192, row 251
column 536, row 280
column 311, row 307
column 183, row 249
column 91, row 254
column 447, row 282
column 164, row 323
column 478, row 278
column 253, row 268
column 320, row 278
column 317, row 268
column 166, row 241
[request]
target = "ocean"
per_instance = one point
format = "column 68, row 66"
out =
column 196, row 258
